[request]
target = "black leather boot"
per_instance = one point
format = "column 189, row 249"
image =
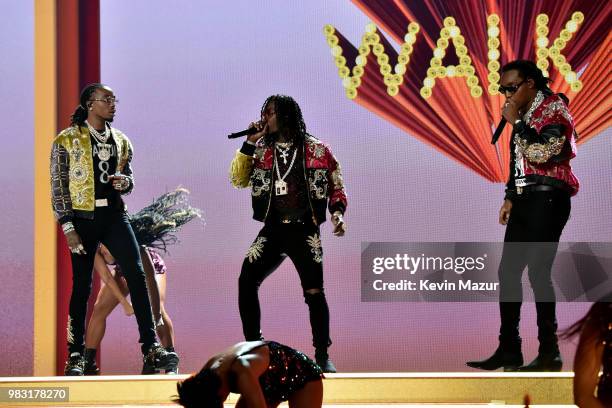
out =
column 545, row 361
column 549, row 357
column 323, row 361
column 508, row 354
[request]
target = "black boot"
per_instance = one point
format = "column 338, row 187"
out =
column 508, row 354
column 319, row 322
column 322, row 359
column 89, row 362
column 548, row 360
column 549, row 357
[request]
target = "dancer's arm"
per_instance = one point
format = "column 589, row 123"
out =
column 247, row 369
column 109, row 280
column 587, row 364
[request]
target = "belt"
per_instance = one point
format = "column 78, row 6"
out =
column 102, row 202
column 535, row 187
column 291, row 221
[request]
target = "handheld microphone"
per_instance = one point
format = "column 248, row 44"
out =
column 499, row 130
column 246, row 132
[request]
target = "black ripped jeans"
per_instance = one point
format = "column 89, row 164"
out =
column 301, row 242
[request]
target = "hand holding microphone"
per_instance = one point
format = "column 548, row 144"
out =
column 510, row 114
column 261, row 128
column 510, row 111
column 255, row 131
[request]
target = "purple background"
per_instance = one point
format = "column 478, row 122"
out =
column 17, row 181
column 187, row 75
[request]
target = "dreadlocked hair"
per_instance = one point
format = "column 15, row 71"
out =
column 528, row 69
column 154, row 226
column 80, row 113
column 289, row 118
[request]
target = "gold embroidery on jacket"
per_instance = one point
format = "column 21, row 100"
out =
column 77, row 142
column 337, row 178
column 318, row 183
column 259, row 182
column 540, row 152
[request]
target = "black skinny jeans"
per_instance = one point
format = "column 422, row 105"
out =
column 111, row 228
column 539, row 218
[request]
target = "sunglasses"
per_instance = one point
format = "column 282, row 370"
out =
column 512, row 88
column 109, row 100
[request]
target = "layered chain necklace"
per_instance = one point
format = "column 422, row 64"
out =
column 280, row 186
column 283, row 149
column 104, row 149
column 536, row 102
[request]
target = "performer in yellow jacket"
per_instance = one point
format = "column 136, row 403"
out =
column 90, row 170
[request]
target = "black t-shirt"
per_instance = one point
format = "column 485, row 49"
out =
column 104, row 168
column 294, row 204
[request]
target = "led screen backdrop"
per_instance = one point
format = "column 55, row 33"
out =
column 17, row 180
column 188, row 73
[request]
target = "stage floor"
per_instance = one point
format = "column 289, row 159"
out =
column 346, row 390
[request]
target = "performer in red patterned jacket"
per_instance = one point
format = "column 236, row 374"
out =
column 293, row 177
column 535, row 209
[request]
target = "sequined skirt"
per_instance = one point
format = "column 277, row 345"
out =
column 289, row 371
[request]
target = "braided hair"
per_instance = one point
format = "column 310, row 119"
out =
column 154, row 226
column 289, row 118
column 80, row 113
column 529, row 70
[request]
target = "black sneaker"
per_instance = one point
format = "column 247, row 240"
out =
column 74, row 365
column 157, row 359
column 89, row 362
column 173, row 367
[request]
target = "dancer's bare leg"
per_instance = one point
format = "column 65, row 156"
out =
column 310, row 396
column 165, row 332
column 105, row 304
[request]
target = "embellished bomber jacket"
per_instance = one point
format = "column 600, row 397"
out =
column 72, row 172
column 255, row 169
column 541, row 147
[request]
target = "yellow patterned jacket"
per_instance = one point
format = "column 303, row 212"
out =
column 72, row 172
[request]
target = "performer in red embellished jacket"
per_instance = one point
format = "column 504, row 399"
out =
column 294, row 178
column 535, row 209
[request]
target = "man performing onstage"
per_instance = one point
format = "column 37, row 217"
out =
column 293, row 178
column 535, row 209
column 90, row 169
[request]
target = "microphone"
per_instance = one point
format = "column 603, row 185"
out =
column 499, row 130
column 246, row 132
